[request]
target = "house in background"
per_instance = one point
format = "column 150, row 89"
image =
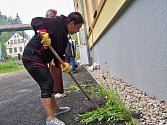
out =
column 128, row 38
column 15, row 45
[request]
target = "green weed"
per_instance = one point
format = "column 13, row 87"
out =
column 114, row 111
column 10, row 66
column 74, row 88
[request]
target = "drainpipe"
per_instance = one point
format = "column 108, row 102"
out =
column 85, row 32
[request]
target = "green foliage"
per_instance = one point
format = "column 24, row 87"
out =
column 10, row 20
column 113, row 111
column 78, row 55
column 4, row 36
column 10, row 66
column 74, row 88
column 74, row 37
column 3, row 21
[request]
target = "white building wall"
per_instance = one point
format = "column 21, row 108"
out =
column 135, row 47
column 15, row 43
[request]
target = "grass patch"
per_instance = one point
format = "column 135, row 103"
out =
column 74, row 88
column 112, row 112
column 10, row 66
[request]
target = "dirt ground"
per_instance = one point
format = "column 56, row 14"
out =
column 20, row 99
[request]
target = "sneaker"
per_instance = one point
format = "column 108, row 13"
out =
column 73, row 71
column 61, row 110
column 54, row 121
column 59, row 95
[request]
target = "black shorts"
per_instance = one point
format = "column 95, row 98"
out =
column 42, row 76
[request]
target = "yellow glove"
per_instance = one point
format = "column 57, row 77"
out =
column 66, row 67
column 52, row 62
column 46, row 41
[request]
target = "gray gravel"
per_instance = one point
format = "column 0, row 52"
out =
column 153, row 111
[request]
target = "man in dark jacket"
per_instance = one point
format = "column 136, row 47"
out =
column 70, row 54
column 55, row 70
column 36, row 55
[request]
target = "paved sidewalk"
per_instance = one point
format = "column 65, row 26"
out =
column 74, row 99
column 20, row 99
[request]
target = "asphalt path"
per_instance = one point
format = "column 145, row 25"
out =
column 20, row 99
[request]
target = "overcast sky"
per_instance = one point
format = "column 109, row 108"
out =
column 28, row 9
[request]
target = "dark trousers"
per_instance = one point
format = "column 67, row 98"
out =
column 42, row 76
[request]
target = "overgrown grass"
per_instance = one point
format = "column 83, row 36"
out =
column 74, row 88
column 10, row 66
column 112, row 112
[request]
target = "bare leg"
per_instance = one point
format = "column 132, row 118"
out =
column 54, row 104
column 47, row 103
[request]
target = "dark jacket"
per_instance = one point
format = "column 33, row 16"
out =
column 70, row 50
column 57, row 29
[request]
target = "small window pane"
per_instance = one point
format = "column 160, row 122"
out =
column 20, row 49
column 10, row 50
column 15, row 50
column 18, row 40
column 11, row 42
column 15, row 41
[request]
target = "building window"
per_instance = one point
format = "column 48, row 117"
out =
column 18, row 40
column 15, row 41
column 21, row 40
column 20, row 49
column 15, row 50
column 11, row 41
column 10, row 50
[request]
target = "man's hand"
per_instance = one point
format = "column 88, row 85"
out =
column 46, row 41
column 66, row 67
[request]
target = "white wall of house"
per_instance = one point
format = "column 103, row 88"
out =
column 15, row 45
column 135, row 47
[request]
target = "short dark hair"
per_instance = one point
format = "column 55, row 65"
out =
column 76, row 17
column 51, row 10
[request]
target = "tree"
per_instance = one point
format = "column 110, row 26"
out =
column 4, row 36
column 17, row 20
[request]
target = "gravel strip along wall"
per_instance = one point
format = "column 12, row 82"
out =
column 153, row 111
